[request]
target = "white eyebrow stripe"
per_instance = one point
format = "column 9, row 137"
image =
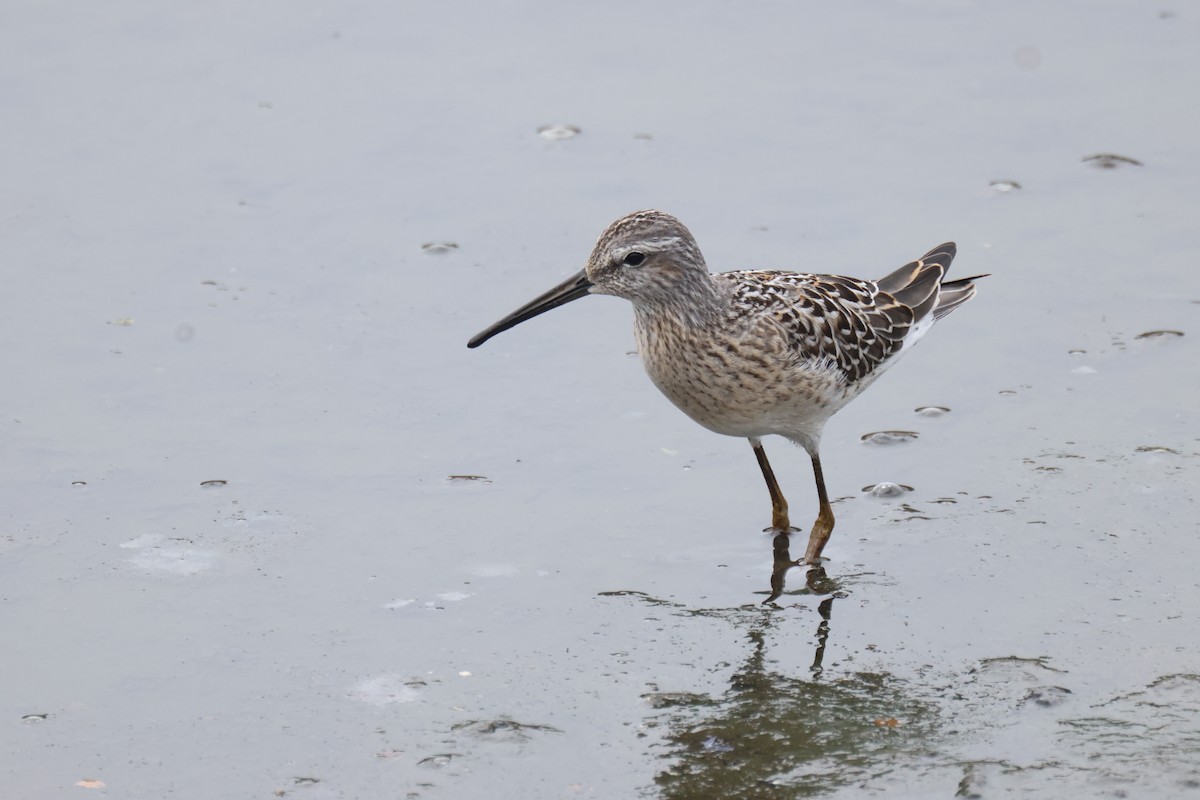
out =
column 662, row 243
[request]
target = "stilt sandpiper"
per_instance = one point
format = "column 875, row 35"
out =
column 756, row 352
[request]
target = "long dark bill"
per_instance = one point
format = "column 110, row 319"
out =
column 572, row 288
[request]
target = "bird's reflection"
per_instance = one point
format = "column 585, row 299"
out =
column 816, row 582
column 779, row 730
column 773, row 734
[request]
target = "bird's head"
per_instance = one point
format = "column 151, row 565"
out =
column 648, row 257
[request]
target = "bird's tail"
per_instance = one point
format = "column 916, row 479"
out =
column 953, row 294
column 917, row 283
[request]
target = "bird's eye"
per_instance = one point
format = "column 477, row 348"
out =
column 634, row 259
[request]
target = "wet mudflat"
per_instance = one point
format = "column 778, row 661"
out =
column 268, row 528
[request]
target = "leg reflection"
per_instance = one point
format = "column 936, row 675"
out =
column 781, row 563
column 825, row 610
column 815, row 579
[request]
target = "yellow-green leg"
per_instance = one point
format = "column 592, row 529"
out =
column 779, row 506
column 823, row 527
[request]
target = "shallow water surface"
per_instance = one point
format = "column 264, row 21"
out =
column 270, row 529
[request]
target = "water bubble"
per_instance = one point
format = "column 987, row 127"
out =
column 1007, row 392
column 213, row 483
column 79, row 483
column 1077, row 352
column 438, row 248
column 1110, row 160
column 932, row 411
column 558, row 131
column 33, row 718
column 1004, row 186
column 887, row 489
column 1159, row 335
column 1151, row 448
column 889, row 437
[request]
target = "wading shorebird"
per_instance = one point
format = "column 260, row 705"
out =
column 756, row 352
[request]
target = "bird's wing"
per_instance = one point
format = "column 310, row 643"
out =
column 825, row 318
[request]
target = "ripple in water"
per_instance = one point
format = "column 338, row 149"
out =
column 889, row 437
column 1110, row 160
column 468, row 479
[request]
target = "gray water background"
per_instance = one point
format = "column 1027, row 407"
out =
column 213, row 230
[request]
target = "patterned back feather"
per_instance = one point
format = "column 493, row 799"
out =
column 856, row 324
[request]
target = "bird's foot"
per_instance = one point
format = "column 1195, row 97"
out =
column 822, row 528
